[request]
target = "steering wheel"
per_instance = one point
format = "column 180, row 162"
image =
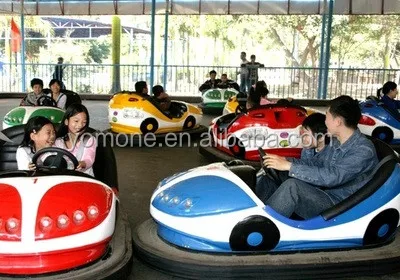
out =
column 55, row 158
column 269, row 172
column 46, row 100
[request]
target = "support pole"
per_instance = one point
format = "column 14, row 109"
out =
column 325, row 49
column 153, row 21
column 166, row 45
column 23, row 70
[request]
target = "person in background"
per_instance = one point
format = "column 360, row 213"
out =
column 162, row 98
column 59, row 71
column 39, row 133
column 37, row 91
column 262, row 90
column 226, row 83
column 390, row 92
column 244, row 72
column 253, row 100
column 252, row 67
column 59, row 97
column 142, row 89
column 211, row 83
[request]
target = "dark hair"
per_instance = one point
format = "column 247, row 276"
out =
column 53, row 81
column 60, row 59
column 387, row 87
column 71, row 111
column 254, row 97
column 36, row 81
column 346, row 107
column 261, row 88
column 316, row 123
column 139, row 86
column 226, row 75
column 157, row 90
column 34, row 124
column 213, row 72
column 243, row 53
column 252, row 56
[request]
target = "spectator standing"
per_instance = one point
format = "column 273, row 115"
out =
column 252, row 67
column 59, row 71
column 244, row 72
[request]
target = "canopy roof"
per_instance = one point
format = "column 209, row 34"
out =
column 189, row 7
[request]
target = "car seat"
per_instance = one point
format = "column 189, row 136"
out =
column 387, row 162
column 247, row 173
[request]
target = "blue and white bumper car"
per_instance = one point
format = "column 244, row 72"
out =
column 219, row 228
column 380, row 122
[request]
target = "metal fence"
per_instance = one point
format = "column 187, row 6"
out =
column 184, row 80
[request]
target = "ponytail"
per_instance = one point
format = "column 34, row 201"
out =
column 378, row 93
column 387, row 87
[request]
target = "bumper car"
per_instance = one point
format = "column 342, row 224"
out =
column 207, row 221
column 275, row 128
column 130, row 113
column 46, row 107
column 216, row 98
column 233, row 105
column 58, row 223
column 380, row 122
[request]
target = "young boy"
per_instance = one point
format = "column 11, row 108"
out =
column 313, row 139
column 31, row 98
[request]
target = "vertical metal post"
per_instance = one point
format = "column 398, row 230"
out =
column 153, row 21
column 23, row 73
column 325, row 49
column 166, row 45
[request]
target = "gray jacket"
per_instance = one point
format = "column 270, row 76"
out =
column 342, row 169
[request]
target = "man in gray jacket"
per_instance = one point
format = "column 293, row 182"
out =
column 344, row 168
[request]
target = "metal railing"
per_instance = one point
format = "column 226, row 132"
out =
column 184, row 80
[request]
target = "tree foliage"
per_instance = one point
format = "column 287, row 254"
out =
column 357, row 41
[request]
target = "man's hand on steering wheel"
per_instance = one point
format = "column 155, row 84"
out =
column 54, row 158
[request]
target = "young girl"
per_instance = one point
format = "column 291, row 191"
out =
column 59, row 97
column 262, row 90
column 389, row 91
column 39, row 134
column 72, row 137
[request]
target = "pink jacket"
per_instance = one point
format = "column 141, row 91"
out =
column 89, row 152
column 265, row 101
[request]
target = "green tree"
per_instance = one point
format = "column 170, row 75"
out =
column 98, row 51
column 348, row 33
